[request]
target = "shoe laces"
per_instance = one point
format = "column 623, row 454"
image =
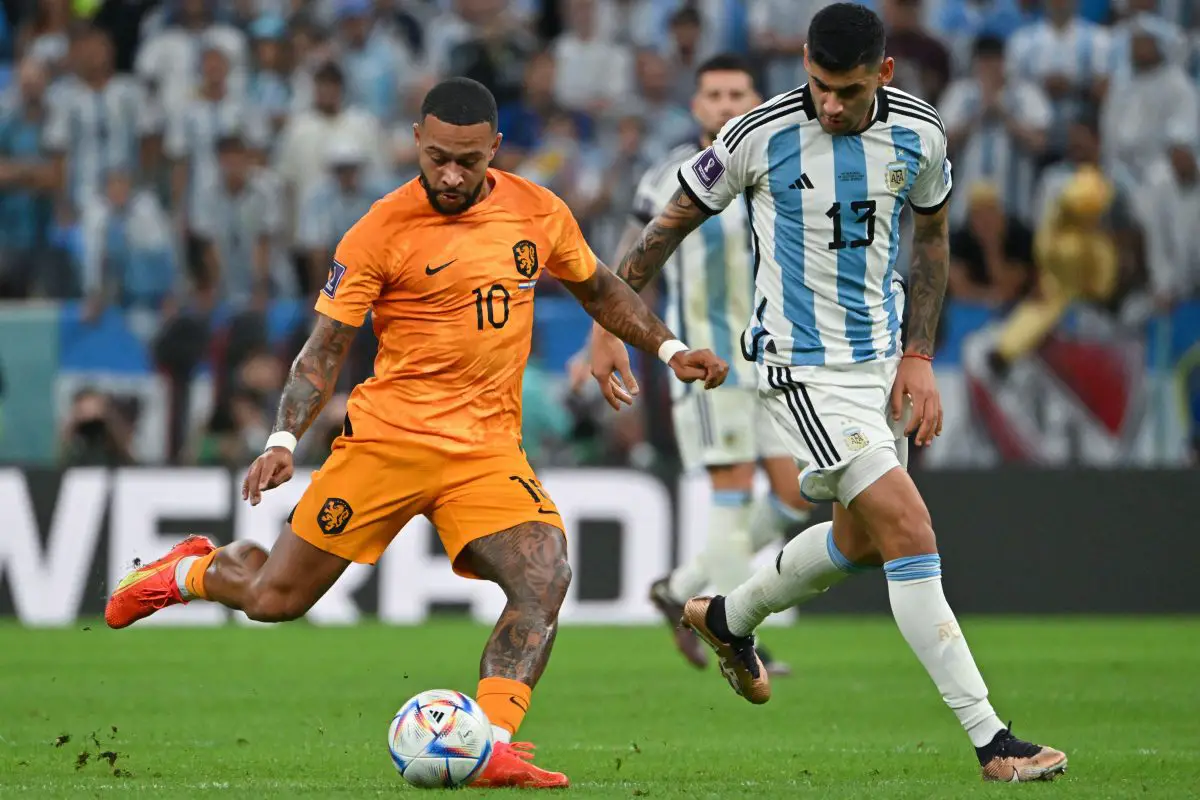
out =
column 1010, row 746
column 743, row 651
column 522, row 750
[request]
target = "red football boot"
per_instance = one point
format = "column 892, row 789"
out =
column 152, row 586
column 511, row 765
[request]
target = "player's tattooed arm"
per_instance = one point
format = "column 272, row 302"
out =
column 658, row 241
column 927, row 278
column 619, row 310
column 314, row 375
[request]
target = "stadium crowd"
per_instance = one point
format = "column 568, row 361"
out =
column 190, row 162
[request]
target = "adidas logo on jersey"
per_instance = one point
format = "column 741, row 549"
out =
column 802, row 182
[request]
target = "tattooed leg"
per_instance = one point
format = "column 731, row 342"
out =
column 529, row 562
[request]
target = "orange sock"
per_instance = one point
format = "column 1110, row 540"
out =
column 195, row 575
column 505, row 702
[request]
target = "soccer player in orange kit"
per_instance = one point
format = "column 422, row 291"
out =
column 447, row 263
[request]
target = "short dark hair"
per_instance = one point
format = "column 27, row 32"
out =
column 725, row 62
column 329, row 72
column 843, row 36
column 988, row 46
column 686, row 15
column 460, row 101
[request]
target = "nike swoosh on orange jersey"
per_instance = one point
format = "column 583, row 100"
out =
column 434, row 271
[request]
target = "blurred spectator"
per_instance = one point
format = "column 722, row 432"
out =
column 44, row 35
column 97, row 122
column 96, row 433
column 991, row 255
column 778, row 29
column 604, row 194
column 1170, row 207
column 633, row 23
column 922, row 62
column 495, row 56
column 592, row 74
column 300, row 158
column 1068, row 57
column 269, row 89
column 523, row 122
column 996, row 127
column 238, row 221
column 558, row 161
column 1076, row 259
column 170, row 59
column 1143, row 16
column 456, row 25
column 1083, row 151
column 376, row 66
column 193, row 131
column 310, row 50
column 1154, row 105
column 128, row 258
column 545, row 421
column 666, row 122
column 684, row 51
column 334, row 205
column 28, row 182
column 960, row 22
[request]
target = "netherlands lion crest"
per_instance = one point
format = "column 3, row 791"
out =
column 526, row 258
column 334, row 516
column 897, row 176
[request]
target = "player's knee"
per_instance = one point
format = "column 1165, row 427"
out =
column 275, row 605
column 907, row 532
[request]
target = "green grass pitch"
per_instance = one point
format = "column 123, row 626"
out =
column 298, row 711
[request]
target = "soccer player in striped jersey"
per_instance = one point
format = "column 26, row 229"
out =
column 710, row 287
column 827, row 169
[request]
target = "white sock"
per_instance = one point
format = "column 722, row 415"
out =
column 500, row 734
column 181, row 570
column 808, row 565
column 688, row 579
column 725, row 560
column 728, row 556
column 928, row 625
column 770, row 519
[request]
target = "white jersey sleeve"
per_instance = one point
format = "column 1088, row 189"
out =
column 934, row 181
column 717, row 175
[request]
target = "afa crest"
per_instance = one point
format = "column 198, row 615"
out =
column 897, row 176
column 855, row 439
column 334, row 516
column 526, row 257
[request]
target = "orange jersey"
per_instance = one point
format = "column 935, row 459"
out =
column 452, row 298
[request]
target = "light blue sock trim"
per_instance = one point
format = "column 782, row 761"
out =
column 914, row 568
column 840, row 561
column 784, row 510
column 730, row 498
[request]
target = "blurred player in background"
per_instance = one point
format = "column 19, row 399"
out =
column 447, row 263
column 710, row 289
column 827, row 169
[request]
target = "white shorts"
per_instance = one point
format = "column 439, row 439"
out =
column 726, row 425
column 836, row 422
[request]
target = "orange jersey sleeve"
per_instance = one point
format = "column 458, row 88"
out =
column 570, row 259
column 362, row 266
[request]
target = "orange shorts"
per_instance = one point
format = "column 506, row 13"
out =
column 366, row 491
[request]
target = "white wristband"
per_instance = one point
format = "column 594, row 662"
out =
column 668, row 349
column 281, row 439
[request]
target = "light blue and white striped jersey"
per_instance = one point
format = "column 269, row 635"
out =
column 825, row 214
column 99, row 131
column 710, row 277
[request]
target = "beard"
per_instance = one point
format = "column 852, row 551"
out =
column 469, row 198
